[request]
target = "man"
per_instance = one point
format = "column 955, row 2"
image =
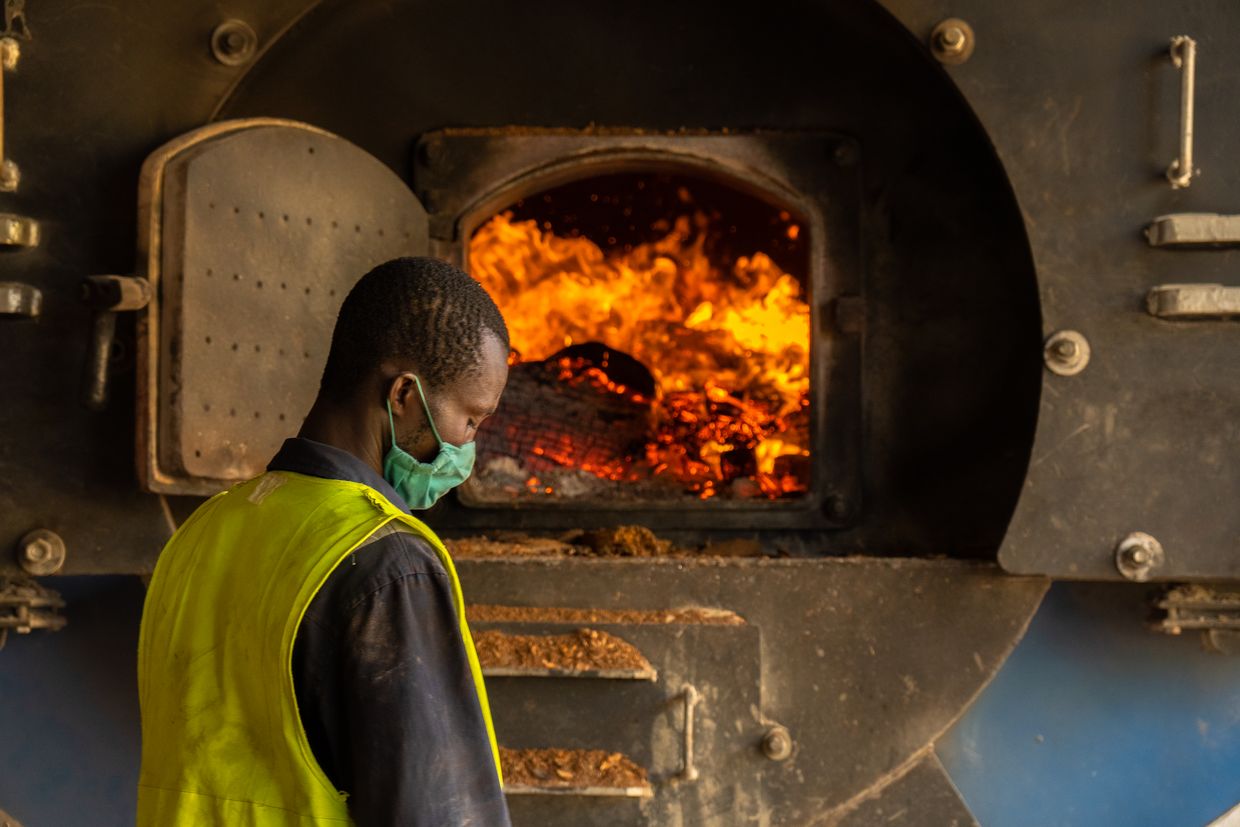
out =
column 303, row 639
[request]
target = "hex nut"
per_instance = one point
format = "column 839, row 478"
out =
column 233, row 42
column 1066, row 353
column 41, row 552
column 952, row 41
column 777, row 743
column 1138, row 556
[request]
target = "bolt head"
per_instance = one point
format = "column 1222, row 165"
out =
column 233, row 42
column 1066, row 349
column 36, row 551
column 41, row 552
column 777, row 743
column 952, row 40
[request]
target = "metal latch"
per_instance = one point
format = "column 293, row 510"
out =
column 1212, row 610
column 18, row 299
column 25, row 606
column 1193, row 229
column 107, row 296
column 1193, row 301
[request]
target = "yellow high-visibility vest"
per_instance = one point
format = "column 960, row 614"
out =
column 222, row 740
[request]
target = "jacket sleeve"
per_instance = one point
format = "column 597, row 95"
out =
column 418, row 754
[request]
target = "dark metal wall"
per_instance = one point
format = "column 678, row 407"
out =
column 952, row 342
column 1083, row 105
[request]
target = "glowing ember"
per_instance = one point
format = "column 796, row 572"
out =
column 729, row 352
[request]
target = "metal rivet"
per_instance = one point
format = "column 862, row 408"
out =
column 41, row 552
column 952, row 41
column 233, row 42
column 777, row 743
column 1066, row 353
column 1138, row 556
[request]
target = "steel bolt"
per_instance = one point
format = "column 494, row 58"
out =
column 952, row 40
column 1066, row 349
column 1138, row 556
column 777, row 743
column 36, row 551
column 41, row 552
column 233, row 42
column 1066, row 353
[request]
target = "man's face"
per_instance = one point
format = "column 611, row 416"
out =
column 458, row 408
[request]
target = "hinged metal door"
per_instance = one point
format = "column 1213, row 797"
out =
column 251, row 234
column 1135, row 466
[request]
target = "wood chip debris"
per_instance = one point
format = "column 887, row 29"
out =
column 620, row 541
column 570, row 768
column 584, row 650
column 487, row 613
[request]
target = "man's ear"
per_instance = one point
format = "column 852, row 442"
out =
column 401, row 393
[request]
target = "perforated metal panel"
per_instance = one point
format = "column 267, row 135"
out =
column 263, row 228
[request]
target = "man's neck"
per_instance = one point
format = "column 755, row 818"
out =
column 343, row 429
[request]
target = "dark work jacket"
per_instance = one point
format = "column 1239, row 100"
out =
column 382, row 680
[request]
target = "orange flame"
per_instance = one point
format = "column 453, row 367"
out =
column 729, row 352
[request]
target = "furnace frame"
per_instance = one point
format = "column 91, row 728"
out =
column 466, row 176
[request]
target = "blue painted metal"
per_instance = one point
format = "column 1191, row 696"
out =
column 69, row 741
column 1096, row 721
column 1092, row 721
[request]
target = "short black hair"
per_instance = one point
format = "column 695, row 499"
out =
column 421, row 310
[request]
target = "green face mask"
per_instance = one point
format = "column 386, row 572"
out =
column 421, row 484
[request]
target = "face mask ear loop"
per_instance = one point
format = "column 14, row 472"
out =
column 391, row 422
column 429, row 420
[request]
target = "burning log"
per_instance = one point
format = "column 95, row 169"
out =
column 586, row 408
column 700, row 390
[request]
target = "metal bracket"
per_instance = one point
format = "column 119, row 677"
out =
column 20, row 299
column 18, row 231
column 1193, row 229
column 1184, row 58
column 1193, row 301
column 25, row 606
column 1212, row 610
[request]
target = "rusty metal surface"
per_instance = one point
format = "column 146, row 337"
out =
column 866, row 662
column 251, row 260
column 1085, row 116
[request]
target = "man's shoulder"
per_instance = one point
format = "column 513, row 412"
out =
column 391, row 556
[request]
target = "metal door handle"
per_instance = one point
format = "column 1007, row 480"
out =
column 692, row 698
column 1184, row 58
column 108, row 295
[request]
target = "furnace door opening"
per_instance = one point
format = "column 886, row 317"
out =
column 660, row 327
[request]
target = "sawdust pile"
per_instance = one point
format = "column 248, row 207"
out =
column 570, row 768
column 583, row 650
